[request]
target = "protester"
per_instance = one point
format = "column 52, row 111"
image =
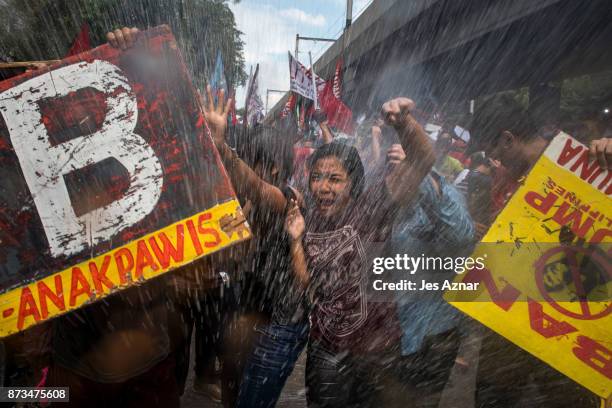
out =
column 354, row 341
column 446, row 165
column 436, row 225
column 280, row 339
column 338, row 230
column 341, row 374
column 458, row 149
column 507, row 375
column 476, row 187
column 425, row 369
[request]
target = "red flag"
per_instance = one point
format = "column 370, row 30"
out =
column 81, row 42
column 338, row 114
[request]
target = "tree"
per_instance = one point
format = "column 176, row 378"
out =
column 45, row 29
column 586, row 96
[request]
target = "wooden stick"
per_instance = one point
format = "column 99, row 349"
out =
column 26, row 64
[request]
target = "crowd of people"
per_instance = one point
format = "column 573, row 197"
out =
column 318, row 210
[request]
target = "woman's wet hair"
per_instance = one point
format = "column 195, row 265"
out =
column 268, row 147
column 349, row 157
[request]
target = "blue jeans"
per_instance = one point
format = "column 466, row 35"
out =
column 276, row 350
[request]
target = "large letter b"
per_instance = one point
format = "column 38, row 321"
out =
column 44, row 165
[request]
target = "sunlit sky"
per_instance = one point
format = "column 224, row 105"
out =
column 269, row 28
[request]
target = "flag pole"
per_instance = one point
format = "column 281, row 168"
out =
column 246, row 100
column 314, row 83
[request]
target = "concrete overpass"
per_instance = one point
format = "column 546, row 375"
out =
column 455, row 50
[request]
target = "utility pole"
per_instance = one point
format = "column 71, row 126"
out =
column 349, row 14
column 314, row 82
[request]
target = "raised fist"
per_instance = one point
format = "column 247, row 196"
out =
column 396, row 113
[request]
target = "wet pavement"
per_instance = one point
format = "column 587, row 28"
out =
column 458, row 393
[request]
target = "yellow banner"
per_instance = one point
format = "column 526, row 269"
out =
column 145, row 258
column 546, row 286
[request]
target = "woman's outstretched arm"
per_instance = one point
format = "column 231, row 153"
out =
column 244, row 179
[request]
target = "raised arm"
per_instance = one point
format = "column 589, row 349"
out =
column 326, row 133
column 376, row 132
column 405, row 178
column 244, row 179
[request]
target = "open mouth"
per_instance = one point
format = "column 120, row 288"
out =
column 325, row 204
